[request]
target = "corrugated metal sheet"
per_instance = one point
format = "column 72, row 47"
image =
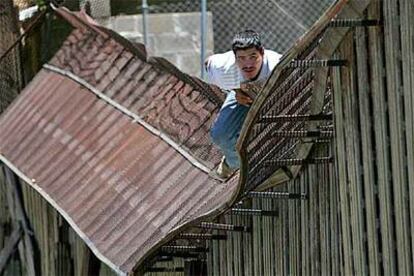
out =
column 117, row 144
column 180, row 106
column 124, row 188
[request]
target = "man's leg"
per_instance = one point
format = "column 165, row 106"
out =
column 226, row 129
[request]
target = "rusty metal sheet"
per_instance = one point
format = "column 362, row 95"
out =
column 122, row 187
column 117, row 143
column 179, row 105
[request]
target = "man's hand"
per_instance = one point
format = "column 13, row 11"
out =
column 242, row 98
column 248, row 91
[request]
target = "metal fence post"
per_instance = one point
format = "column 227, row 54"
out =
column 144, row 21
column 203, row 35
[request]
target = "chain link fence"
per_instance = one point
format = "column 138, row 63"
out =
column 28, row 38
column 9, row 63
column 280, row 22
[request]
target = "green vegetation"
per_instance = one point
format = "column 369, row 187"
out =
column 41, row 3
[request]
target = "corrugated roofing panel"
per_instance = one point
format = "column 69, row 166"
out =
column 123, row 187
column 180, row 106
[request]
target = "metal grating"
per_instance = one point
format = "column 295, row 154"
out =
column 289, row 91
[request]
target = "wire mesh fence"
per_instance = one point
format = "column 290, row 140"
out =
column 29, row 36
column 9, row 63
column 280, row 22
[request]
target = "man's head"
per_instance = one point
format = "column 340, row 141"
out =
column 248, row 50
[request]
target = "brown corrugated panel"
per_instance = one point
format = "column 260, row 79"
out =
column 123, row 187
column 118, row 145
column 176, row 104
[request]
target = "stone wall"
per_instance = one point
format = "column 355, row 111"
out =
column 174, row 36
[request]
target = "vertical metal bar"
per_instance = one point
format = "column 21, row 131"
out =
column 47, row 33
column 397, row 133
column 381, row 131
column 203, row 35
column 365, row 134
column 144, row 21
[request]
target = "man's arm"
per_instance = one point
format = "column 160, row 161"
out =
column 209, row 70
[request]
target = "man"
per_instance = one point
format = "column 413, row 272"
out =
column 247, row 62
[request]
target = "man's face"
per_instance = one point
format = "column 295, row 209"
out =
column 249, row 62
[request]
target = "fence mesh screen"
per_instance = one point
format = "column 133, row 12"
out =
column 280, row 22
column 28, row 38
column 9, row 64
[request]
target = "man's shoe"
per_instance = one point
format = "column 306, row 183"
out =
column 223, row 170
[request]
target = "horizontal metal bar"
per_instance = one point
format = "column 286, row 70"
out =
column 165, row 269
column 175, row 254
column 318, row 63
column 354, row 23
column 296, row 118
column 164, row 258
column 305, row 133
column 254, row 212
column 291, row 162
column 326, row 127
column 222, row 226
column 318, row 141
column 278, row 195
column 181, row 248
column 201, row 236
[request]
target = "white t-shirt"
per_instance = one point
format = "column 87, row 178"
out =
column 223, row 71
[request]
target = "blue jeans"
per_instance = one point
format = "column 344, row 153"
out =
column 226, row 128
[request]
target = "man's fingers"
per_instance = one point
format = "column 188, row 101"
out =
column 244, row 100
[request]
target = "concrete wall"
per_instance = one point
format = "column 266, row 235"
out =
column 173, row 36
column 97, row 8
